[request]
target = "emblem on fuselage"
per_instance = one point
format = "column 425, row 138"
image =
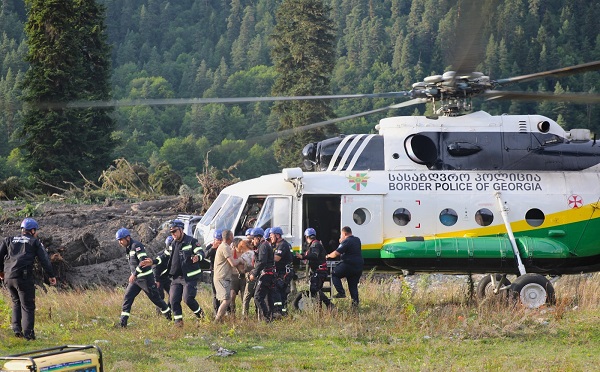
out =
column 359, row 181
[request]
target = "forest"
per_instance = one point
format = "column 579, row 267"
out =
column 222, row 48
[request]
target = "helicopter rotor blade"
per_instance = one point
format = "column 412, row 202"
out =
column 542, row 96
column 469, row 49
column 565, row 71
column 193, row 101
column 286, row 132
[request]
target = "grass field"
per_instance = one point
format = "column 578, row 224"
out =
column 423, row 325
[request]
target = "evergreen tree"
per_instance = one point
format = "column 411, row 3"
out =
column 303, row 54
column 69, row 61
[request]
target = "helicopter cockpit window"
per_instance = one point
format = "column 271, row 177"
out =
column 484, row 217
column 276, row 212
column 448, row 217
column 361, row 216
column 535, row 217
column 401, row 216
column 226, row 216
column 215, row 207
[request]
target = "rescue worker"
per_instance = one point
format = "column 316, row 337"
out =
column 183, row 257
column 249, row 291
column 211, row 250
column 263, row 272
column 161, row 275
column 284, row 272
column 141, row 278
column 315, row 255
column 17, row 255
column 225, row 266
column 351, row 267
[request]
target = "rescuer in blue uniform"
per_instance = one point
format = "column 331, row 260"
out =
column 141, row 278
column 264, row 269
column 183, row 257
column 315, row 255
column 16, row 270
column 284, row 272
column 351, row 267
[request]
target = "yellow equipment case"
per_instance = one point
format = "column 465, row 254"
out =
column 67, row 358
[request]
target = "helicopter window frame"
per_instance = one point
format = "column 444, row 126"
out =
column 228, row 213
column 214, row 209
column 484, row 217
column 448, row 217
column 535, row 217
column 402, row 216
column 276, row 211
column 362, row 216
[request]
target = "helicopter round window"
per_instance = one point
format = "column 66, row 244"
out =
column 535, row 217
column 448, row 217
column 361, row 216
column 484, row 217
column 401, row 216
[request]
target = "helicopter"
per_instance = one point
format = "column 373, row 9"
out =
column 457, row 192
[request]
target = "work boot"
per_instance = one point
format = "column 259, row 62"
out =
column 199, row 314
column 30, row 336
column 124, row 321
column 18, row 334
column 168, row 315
column 339, row 295
column 179, row 323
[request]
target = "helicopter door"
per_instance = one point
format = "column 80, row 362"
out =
column 363, row 214
column 277, row 211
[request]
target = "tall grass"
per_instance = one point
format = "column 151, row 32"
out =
column 415, row 323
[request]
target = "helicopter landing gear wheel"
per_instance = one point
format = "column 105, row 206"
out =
column 533, row 290
column 302, row 300
column 488, row 288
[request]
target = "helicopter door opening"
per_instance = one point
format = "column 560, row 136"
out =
column 322, row 213
column 363, row 214
column 249, row 215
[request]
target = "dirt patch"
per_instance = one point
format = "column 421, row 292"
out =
column 81, row 238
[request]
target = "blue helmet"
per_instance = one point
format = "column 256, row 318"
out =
column 277, row 230
column 257, row 231
column 248, row 232
column 122, row 233
column 29, row 224
column 218, row 234
column 310, row 232
column 168, row 240
column 176, row 223
column 267, row 231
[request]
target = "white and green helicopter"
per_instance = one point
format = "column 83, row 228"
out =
column 453, row 193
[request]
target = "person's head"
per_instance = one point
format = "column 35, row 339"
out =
column 217, row 237
column 227, row 236
column 29, row 226
column 346, row 232
column 310, row 234
column 257, row 235
column 276, row 233
column 268, row 235
column 248, row 234
column 236, row 243
column 123, row 236
column 176, row 229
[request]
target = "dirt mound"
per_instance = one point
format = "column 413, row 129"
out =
column 81, row 238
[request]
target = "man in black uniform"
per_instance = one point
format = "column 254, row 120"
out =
column 315, row 255
column 141, row 278
column 264, row 268
column 16, row 270
column 351, row 267
column 284, row 272
column 183, row 257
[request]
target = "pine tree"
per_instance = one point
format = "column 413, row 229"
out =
column 303, row 54
column 69, row 61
